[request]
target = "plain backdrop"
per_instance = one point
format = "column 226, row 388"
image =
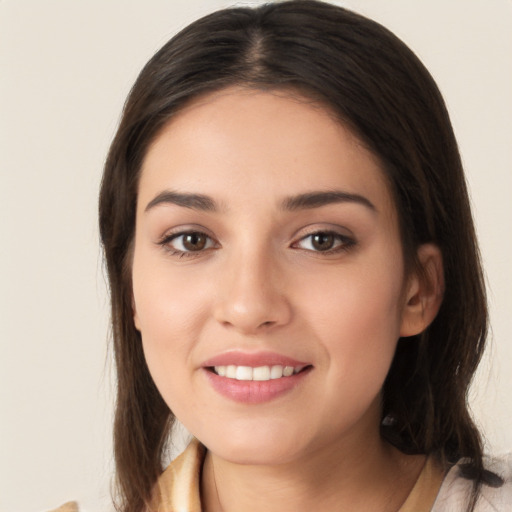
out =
column 65, row 69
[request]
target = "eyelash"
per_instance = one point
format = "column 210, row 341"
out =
column 167, row 240
column 343, row 243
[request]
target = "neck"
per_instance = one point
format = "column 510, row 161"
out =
column 348, row 476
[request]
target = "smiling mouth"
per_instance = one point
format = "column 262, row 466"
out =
column 259, row 373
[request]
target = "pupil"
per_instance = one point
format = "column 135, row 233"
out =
column 323, row 241
column 194, row 241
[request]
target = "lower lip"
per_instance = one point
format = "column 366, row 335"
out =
column 254, row 391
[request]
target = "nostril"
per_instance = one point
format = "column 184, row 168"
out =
column 250, row 312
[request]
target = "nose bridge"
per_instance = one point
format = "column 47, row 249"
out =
column 251, row 296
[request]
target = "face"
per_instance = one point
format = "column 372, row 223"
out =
column 267, row 276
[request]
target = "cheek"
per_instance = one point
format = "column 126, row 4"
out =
column 165, row 301
column 358, row 321
column 356, row 302
column 169, row 311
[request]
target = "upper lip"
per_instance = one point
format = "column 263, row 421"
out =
column 254, row 359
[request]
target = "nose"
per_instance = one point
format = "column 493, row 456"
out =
column 251, row 297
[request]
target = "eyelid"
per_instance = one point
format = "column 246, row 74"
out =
column 319, row 227
column 345, row 238
column 165, row 240
column 208, row 245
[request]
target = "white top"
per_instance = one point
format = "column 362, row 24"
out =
column 455, row 491
column 177, row 489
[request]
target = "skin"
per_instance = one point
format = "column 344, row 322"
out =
column 260, row 283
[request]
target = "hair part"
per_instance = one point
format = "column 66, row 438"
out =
column 378, row 88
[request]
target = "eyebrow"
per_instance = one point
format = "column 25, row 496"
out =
column 306, row 201
column 311, row 200
column 193, row 201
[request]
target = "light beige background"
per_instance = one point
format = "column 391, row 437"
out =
column 65, row 69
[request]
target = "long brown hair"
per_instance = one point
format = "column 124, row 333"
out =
column 374, row 84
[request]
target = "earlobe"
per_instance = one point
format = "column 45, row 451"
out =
column 425, row 292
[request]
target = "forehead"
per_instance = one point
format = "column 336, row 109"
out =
column 240, row 143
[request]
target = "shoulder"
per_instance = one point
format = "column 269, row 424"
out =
column 498, row 498
column 495, row 496
column 178, row 486
column 71, row 506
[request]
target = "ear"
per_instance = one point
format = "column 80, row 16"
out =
column 424, row 293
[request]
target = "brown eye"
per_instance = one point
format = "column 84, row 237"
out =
column 194, row 241
column 323, row 241
column 188, row 242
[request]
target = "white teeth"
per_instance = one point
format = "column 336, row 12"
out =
column 260, row 373
column 243, row 373
column 287, row 371
column 276, row 372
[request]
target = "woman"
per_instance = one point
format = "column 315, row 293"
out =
column 294, row 274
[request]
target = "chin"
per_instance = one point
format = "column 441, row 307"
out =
column 259, row 443
column 254, row 453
